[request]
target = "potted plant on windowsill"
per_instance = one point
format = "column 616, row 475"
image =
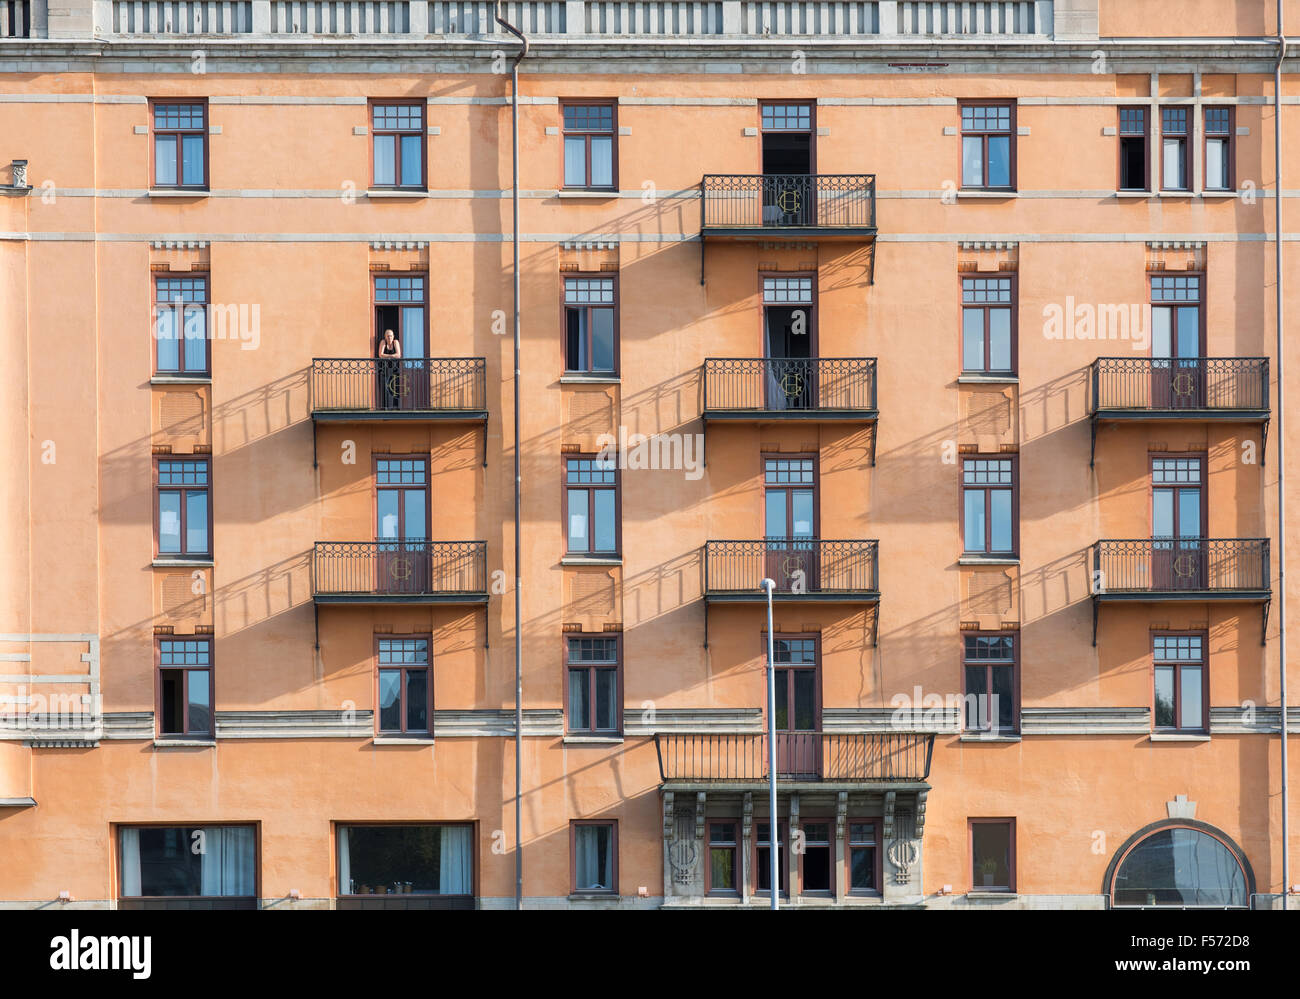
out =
column 988, row 868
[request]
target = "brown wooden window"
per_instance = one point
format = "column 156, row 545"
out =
column 590, row 145
column 988, row 146
column 991, row 673
column 591, row 324
column 428, row 859
column 993, row 855
column 1134, row 149
column 988, row 325
column 989, row 507
column 185, row 687
column 180, row 144
column 594, row 857
column 181, row 325
column 1173, row 149
column 397, row 131
column 763, row 861
column 404, row 705
column 817, row 862
column 183, row 511
column 593, row 667
column 591, row 505
column 723, row 870
column 214, row 867
column 864, row 858
column 1218, row 149
column 1181, row 682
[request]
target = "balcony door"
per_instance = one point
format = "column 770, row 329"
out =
column 1177, row 523
column 798, row 709
column 402, row 524
column 1177, row 371
column 790, row 522
column 789, row 342
column 401, row 306
column 788, row 133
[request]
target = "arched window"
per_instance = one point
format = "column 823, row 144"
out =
column 1181, row 864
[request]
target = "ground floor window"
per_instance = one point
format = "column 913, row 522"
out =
column 433, row 859
column 1180, row 866
column 188, row 861
column 993, row 854
column 864, row 856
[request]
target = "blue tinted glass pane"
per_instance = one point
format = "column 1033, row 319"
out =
column 165, row 334
column 575, row 161
column 602, row 161
column 604, row 514
column 1000, row 340
column 972, row 161
column 390, row 700
column 974, row 517
column 578, row 541
column 385, row 160
column 196, row 522
column 169, row 522
column 195, row 339
column 192, row 159
column 602, row 339
column 972, row 340
column 164, row 159
column 412, row 155
column 1000, row 501
column 999, row 161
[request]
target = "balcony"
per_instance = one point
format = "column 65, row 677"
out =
column 399, row 572
column 702, row 759
column 807, row 389
column 1163, row 570
column 1146, row 389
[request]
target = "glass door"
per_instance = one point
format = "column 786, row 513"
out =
column 401, row 529
column 790, row 523
column 1177, row 371
column 400, row 306
column 798, row 744
column 1177, row 524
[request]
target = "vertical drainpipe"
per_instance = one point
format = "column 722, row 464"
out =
column 519, row 607
column 1281, row 442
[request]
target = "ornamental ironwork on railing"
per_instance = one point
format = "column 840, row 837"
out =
column 799, row 566
column 379, row 385
column 788, row 201
column 400, row 568
column 826, row 756
column 1170, row 384
column 1172, row 565
column 793, row 385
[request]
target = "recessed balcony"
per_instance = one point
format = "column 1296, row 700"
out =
column 701, row 759
column 1165, row 570
column 399, row 572
column 1207, row 389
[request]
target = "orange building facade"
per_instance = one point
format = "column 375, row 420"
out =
column 956, row 320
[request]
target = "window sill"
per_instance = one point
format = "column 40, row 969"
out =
column 592, row 195
column 971, row 737
column 991, row 894
column 397, row 740
column 988, row 560
column 183, row 563
column 395, row 193
column 1177, row 737
column 591, row 560
column 1221, row 194
column 162, row 743
column 593, row 740
column 593, row 896
column 577, row 379
column 181, row 380
column 1134, row 194
column 168, row 192
column 974, row 379
column 963, row 193
column 1176, row 194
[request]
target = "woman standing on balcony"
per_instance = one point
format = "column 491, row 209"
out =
column 390, row 351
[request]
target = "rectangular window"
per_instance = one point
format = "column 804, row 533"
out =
column 1181, row 690
column 185, row 687
column 426, row 859
column 181, row 325
column 1173, row 146
column 818, row 859
column 397, row 131
column 590, row 161
column 989, row 662
column 988, row 135
column 183, row 511
column 863, row 859
column 209, row 862
column 989, row 508
column 405, row 697
column 593, row 678
column 595, row 857
column 993, row 854
column 988, row 325
column 591, row 503
column 1218, row 149
column 180, row 145
column 591, row 324
column 723, row 871
column 1133, row 142
column 763, row 857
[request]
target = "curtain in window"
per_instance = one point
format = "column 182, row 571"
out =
column 455, row 863
column 228, row 858
column 345, row 863
column 593, row 858
column 130, row 840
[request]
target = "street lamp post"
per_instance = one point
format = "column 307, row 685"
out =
column 773, row 835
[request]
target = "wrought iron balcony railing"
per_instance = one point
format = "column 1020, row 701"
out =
column 801, row 568
column 1233, row 568
column 845, row 202
column 1216, row 387
column 794, row 387
column 822, row 756
column 424, row 387
column 400, row 571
